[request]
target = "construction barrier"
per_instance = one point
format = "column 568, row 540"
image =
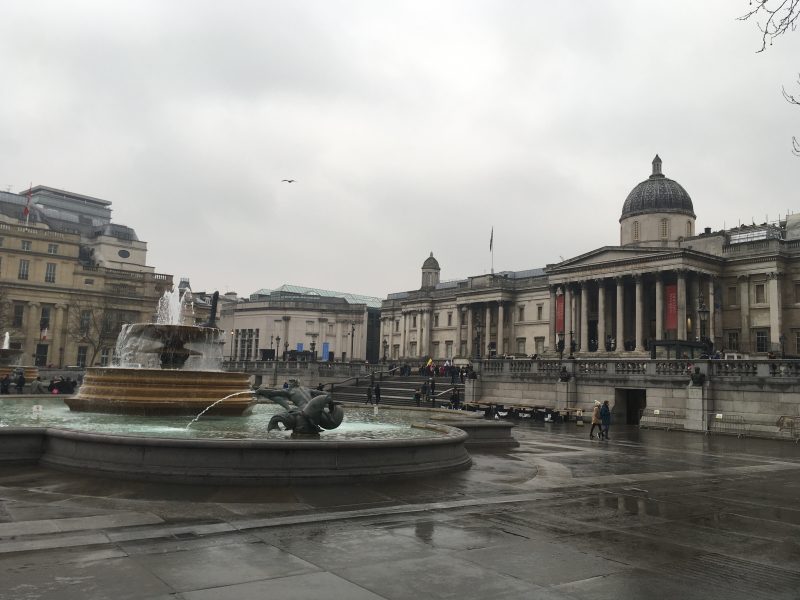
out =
column 657, row 418
column 727, row 423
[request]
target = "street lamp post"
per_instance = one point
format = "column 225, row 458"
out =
column 270, row 346
column 352, row 340
column 385, row 350
column 232, row 334
column 277, row 346
column 571, row 344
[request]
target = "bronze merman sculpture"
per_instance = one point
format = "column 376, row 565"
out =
column 307, row 411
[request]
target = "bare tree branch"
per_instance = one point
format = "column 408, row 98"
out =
column 796, row 101
column 773, row 17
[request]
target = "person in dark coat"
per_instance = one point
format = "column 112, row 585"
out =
column 5, row 384
column 20, row 383
column 605, row 420
column 417, row 397
column 455, row 399
column 369, row 395
column 377, row 394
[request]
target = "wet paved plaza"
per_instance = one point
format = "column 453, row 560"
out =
column 649, row 514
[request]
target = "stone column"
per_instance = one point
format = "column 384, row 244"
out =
column 403, row 334
column 775, row 308
column 500, row 315
column 620, row 314
column 58, row 335
column 552, row 324
column 601, row 315
column 470, row 333
column 695, row 305
column 457, row 340
column 711, row 320
column 32, row 334
column 584, row 316
column 488, row 330
column 339, row 341
column 744, row 312
column 681, row 305
column 639, row 317
column 567, row 319
column 659, row 307
column 419, row 333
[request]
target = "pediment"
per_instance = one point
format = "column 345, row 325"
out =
column 609, row 254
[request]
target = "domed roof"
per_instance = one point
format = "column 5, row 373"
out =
column 431, row 263
column 657, row 194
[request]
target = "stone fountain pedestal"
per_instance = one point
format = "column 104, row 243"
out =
column 161, row 392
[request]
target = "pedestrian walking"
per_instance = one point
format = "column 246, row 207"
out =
column 596, row 420
column 369, row 395
column 424, row 391
column 20, row 382
column 605, row 419
column 417, row 396
column 5, row 384
column 377, row 394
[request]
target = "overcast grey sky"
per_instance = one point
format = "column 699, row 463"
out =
column 410, row 127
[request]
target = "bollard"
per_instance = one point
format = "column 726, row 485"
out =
column 579, row 417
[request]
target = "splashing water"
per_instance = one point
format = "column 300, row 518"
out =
column 172, row 307
column 6, row 341
column 213, row 404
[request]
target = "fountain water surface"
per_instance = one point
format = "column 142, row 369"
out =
column 166, row 368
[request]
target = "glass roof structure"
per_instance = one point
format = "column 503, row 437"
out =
column 370, row 301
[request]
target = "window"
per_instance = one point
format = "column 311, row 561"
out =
column 797, row 342
column 397, row 325
column 688, row 228
column 539, row 312
column 88, row 281
column 435, row 350
column 521, row 346
column 760, row 293
column 2, row 241
column 104, row 357
column 82, row 353
column 52, row 248
column 448, row 349
column 44, row 321
column 733, row 299
column 435, row 319
column 663, row 229
column 796, row 292
column 26, row 245
column 539, row 343
column 19, row 313
column 24, row 267
column 762, row 341
column 521, row 313
column 636, row 231
column 85, row 322
column 414, row 321
column 733, row 341
column 449, row 320
column 50, row 273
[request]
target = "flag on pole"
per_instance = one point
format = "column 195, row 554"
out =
column 491, row 240
column 27, row 210
column 43, row 336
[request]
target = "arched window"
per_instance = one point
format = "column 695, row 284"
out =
column 688, row 228
column 664, row 229
column 636, row 231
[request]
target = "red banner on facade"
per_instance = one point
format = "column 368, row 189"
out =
column 560, row 313
column 671, row 297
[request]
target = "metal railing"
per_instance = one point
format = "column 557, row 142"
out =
column 657, row 418
column 727, row 423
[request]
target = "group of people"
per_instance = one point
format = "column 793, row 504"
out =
column 601, row 418
column 373, row 394
column 58, row 385
column 18, row 381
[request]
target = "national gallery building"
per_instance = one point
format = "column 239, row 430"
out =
column 665, row 283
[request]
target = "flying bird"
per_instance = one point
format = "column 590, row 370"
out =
column 287, row 180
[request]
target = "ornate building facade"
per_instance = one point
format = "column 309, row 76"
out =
column 69, row 277
column 736, row 290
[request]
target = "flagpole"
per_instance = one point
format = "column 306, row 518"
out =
column 491, row 247
column 27, row 209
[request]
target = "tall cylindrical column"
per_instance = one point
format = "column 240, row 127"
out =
column 601, row 315
column 681, row 305
column 639, row 314
column 659, row 307
column 488, row 330
column 620, row 341
column 584, row 316
column 500, row 315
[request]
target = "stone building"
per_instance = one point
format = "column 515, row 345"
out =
column 300, row 322
column 70, row 277
column 736, row 290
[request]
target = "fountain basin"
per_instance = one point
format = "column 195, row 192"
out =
column 160, row 392
column 236, row 462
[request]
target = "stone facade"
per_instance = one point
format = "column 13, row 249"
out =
column 70, row 277
column 736, row 290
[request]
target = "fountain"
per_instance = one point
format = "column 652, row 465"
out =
column 165, row 368
column 10, row 359
column 123, row 422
